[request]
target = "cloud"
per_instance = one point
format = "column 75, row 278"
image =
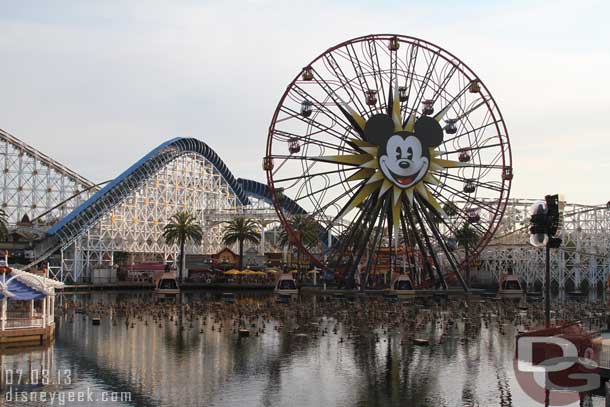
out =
column 98, row 84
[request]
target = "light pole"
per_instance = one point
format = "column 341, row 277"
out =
column 545, row 227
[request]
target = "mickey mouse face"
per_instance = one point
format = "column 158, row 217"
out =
column 403, row 157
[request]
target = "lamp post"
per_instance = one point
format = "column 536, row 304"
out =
column 544, row 229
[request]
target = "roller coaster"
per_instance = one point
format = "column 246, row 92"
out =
column 80, row 224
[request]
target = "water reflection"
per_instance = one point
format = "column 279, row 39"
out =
column 321, row 352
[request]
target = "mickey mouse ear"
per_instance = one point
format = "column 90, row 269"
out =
column 429, row 131
column 378, row 129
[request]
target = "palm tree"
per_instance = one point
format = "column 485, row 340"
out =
column 241, row 230
column 182, row 227
column 307, row 233
column 3, row 225
column 466, row 236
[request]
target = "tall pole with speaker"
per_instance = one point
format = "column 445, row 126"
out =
column 545, row 228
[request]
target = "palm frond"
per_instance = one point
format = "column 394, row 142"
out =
column 182, row 227
column 241, row 229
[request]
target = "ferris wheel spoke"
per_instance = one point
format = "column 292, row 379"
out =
column 377, row 71
column 350, row 203
column 355, row 93
column 310, row 194
column 468, row 199
column 427, row 250
column 489, row 166
column 377, row 243
column 309, row 176
column 328, row 130
column 467, row 113
column 363, row 238
column 384, row 204
column 475, row 183
column 479, row 147
column 410, row 77
column 353, row 117
column 340, row 75
column 466, row 133
column 461, row 216
column 352, row 232
column 408, row 243
column 360, row 74
column 433, row 227
column 416, row 237
column 475, row 138
column 309, row 139
column 471, row 199
column 393, row 70
column 322, row 108
column 424, row 84
column 443, row 84
column 443, row 111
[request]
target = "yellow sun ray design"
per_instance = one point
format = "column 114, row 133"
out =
column 376, row 182
column 363, row 173
column 384, row 187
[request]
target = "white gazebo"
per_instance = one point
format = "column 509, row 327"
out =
column 27, row 306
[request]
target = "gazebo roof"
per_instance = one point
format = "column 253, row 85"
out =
column 23, row 286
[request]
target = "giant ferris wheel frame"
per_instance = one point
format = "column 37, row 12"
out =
column 472, row 158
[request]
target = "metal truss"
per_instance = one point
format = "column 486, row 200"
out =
column 263, row 213
column 584, row 257
column 122, row 187
column 33, row 184
column 189, row 182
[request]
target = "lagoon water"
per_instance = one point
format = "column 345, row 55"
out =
column 174, row 364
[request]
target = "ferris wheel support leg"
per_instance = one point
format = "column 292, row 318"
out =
column 420, row 244
column 363, row 219
column 362, row 247
column 371, row 253
column 449, row 255
column 431, row 251
column 410, row 259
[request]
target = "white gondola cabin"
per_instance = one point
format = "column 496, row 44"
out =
column 402, row 286
column 510, row 288
column 166, row 284
column 286, row 285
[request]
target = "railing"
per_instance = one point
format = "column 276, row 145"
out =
column 22, row 315
column 14, row 323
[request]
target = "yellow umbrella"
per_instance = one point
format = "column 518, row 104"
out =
column 259, row 273
column 248, row 272
column 232, row 272
column 293, row 271
column 271, row 271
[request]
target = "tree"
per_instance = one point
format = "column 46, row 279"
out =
column 307, row 233
column 183, row 227
column 241, row 230
column 3, row 225
column 467, row 237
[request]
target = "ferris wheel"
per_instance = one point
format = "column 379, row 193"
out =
column 399, row 154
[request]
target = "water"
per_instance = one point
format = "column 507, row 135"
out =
column 284, row 366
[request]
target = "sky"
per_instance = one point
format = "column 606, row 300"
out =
column 98, row 84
